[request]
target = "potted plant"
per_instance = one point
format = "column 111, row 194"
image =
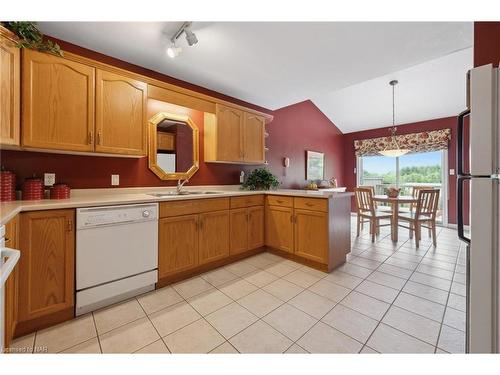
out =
column 31, row 37
column 260, row 179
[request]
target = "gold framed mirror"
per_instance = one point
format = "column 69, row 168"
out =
column 173, row 151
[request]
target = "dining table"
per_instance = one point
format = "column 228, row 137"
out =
column 394, row 202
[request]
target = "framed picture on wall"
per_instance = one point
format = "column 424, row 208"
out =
column 315, row 164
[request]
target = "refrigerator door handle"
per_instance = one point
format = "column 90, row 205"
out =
column 460, row 141
column 460, row 209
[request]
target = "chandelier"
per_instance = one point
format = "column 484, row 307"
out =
column 393, row 149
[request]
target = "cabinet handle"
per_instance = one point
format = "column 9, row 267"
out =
column 91, row 137
column 69, row 226
column 309, row 204
column 7, row 240
column 99, row 134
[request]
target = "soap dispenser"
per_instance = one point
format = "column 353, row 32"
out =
column 242, row 177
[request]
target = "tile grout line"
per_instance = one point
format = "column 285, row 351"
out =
column 97, row 333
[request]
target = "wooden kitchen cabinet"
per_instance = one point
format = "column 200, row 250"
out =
column 46, row 269
column 213, row 236
column 255, row 227
column 253, row 138
column 10, row 78
column 279, row 228
column 165, row 141
column 178, row 244
column 239, row 231
column 58, row 103
column 120, row 114
column 234, row 136
column 311, row 235
column 247, row 223
column 12, row 284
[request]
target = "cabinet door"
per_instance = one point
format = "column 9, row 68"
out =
column 238, row 231
column 120, row 114
column 178, row 244
column 255, row 227
column 47, row 264
column 229, row 134
column 279, row 228
column 11, row 285
column 253, row 138
column 214, row 236
column 58, row 103
column 10, row 80
column 311, row 235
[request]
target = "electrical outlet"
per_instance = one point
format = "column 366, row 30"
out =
column 115, row 179
column 49, row 179
column 452, row 172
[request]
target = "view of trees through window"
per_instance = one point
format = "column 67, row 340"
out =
column 421, row 174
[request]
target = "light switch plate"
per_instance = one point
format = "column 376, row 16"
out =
column 115, row 179
column 49, row 179
column 452, row 172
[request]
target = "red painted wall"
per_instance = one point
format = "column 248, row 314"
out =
column 298, row 128
column 486, row 43
column 448, row 122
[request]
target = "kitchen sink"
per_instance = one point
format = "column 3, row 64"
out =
column 174, row 193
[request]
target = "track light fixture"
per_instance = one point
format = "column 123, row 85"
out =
column 173, row 51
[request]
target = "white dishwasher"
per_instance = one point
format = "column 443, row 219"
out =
column 116, row 254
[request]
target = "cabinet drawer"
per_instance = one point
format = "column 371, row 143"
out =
column 192, row 206
column 313, row 204
column 279, row 200
column 247, row 201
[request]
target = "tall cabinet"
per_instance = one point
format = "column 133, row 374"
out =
column 9, row 90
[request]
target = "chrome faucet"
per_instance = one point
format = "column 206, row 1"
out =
column 180, row 184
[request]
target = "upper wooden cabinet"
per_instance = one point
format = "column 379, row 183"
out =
column 253, row 138
column 120, row 114
column 58, row 103
column 46, row 268
column 234, row 136
column 9, row 92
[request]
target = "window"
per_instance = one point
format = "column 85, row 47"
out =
column 406, row 172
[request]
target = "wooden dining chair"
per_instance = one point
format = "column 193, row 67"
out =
column 414, row 194
column 424, row 215
column 366, row 211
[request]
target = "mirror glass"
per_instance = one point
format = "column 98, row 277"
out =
column 173, row 146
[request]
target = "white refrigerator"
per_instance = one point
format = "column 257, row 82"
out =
column 481, row 171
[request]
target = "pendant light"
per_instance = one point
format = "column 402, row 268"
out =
column 392, row 149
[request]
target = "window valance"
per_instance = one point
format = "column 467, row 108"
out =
column 415, row 142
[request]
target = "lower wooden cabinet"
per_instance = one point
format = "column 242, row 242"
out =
column 178, row 244
column 279, row 228
column 247, row 229
column 46, row 268
column 214, row 236
column 311, row 235
column 315, row 231
column 11, row 285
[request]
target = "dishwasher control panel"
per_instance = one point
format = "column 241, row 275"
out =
column 113, row 215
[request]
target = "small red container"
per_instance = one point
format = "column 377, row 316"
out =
column 60, row 191
column 32, row 189
column 7, row 186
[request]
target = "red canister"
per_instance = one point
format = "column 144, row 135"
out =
column 32, row 189
column 7, row 186
column 60, row 191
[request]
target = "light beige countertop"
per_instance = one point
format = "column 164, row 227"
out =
column 118, row 196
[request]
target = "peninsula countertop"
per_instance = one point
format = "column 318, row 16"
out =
column 118, row 196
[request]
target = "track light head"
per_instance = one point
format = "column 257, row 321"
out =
column 190, row 36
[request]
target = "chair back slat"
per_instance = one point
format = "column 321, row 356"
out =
column 414, row 193
column 364, row 199
column 427, row 202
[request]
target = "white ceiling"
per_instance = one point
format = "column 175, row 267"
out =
column 430, row 90
column 277, row 64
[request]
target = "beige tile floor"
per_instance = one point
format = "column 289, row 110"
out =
column 385, row 299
